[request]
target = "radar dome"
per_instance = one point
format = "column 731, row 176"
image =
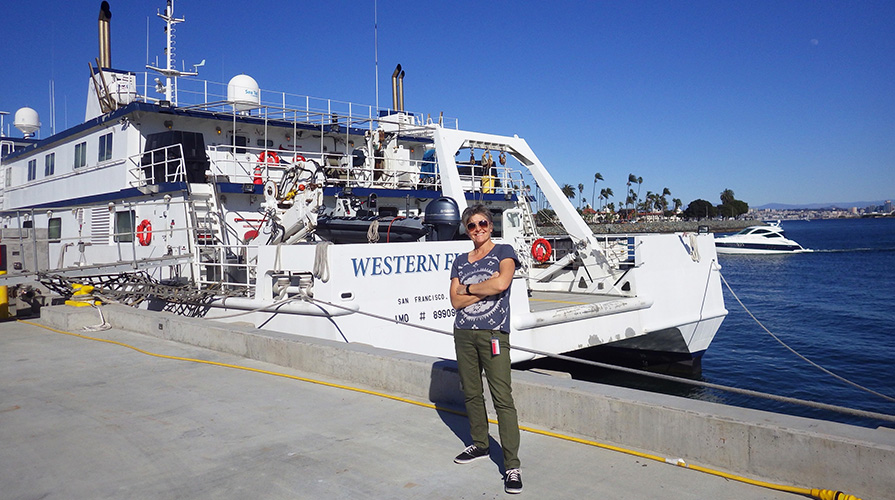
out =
column 27, row 121
column 243, row 93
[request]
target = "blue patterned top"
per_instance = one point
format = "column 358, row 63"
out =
column 490, row 313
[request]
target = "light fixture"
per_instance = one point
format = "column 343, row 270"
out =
column 169, row 124
column 218, row 130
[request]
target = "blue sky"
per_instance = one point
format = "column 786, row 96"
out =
column 788, row 102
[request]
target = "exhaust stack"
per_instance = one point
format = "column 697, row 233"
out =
column 105, row 41
column 395, row 88
column 401, row 91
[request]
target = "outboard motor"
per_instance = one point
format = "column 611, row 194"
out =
column 443, row 219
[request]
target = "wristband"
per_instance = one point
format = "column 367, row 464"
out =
column 467, row 290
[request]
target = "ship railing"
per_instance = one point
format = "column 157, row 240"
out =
column 110, row 238
column 159, row 165
column 115, row 244
column 230, row 268
column 255, row 165
column 212, row 96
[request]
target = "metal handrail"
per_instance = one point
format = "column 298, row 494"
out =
column 142, row 174
column 197, row 91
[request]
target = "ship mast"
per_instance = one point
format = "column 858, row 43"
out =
column 170, row 70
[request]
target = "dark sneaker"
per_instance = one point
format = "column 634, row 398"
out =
column 513, row 482
column 471, row 453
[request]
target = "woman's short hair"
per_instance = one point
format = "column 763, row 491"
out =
column 476, row 209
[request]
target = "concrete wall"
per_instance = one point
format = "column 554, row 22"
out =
column 759, row 445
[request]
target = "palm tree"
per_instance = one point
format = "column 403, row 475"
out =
column 639, row 183
column 568, row 190
column 677, row 203
column 631, row 179
column 606, row 193
column 665, row 192
column 727, row 197
column 629, row 200
column 597, row 177
column 580, row 192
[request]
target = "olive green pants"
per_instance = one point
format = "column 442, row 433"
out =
column 473, row 356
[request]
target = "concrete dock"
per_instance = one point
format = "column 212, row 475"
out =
column 83, row 418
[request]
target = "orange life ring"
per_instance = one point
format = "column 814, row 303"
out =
column 298, row 158
column 144, row 232
column 269, row 157
column 541, row 250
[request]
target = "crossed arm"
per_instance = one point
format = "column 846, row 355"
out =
column 497, row 283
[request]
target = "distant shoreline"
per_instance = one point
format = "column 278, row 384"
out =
column 714, row 226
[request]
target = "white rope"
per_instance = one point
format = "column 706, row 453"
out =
column 694, row 247
column 373, row 231
column 708, row 385
column 812, row 363
column 104, row 325
column 321, row 261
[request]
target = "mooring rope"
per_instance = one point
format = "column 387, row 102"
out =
column 670, row 378
column 661, row 376
column 805, row 359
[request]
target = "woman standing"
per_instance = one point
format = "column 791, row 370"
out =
column 480, row 291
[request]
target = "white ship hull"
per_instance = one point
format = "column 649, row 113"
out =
column 254, row 211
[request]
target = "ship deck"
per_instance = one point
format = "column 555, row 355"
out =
column 546, row 301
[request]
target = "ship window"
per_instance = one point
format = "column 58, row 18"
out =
column 81, row 155
column 105, row 148
column 124, row 226
column 54, row 230
column 32, row 170
column 260, row 143
column 49, row 164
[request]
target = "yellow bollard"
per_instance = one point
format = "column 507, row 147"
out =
column 4, row 300
column 82, row 297
column 4, row 290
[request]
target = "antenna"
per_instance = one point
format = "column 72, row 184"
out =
column 2, row 114
column 52, row 107
column 376, row 49
column 170, row 71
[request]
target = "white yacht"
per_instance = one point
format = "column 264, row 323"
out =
column 327, row 219
column 767, row 239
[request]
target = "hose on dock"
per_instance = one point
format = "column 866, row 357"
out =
column 819, row 494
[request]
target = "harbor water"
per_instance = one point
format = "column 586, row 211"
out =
column 834, row 306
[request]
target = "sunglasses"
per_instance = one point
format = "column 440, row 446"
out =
column 482, row 224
